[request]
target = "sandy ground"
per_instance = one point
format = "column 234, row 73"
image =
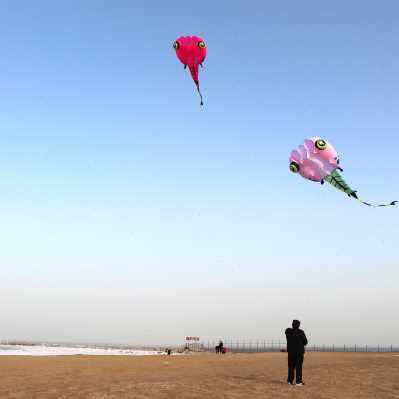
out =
column 327, row 375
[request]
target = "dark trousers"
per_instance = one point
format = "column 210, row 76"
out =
column 295, row 361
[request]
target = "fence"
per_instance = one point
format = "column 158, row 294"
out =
column 240, row 346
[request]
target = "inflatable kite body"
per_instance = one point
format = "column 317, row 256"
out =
column 317, row 160
column 191, row 51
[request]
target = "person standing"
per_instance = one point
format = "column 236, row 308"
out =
column 296, row 342
column 219, row 348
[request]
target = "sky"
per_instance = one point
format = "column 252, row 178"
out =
column 131, row 214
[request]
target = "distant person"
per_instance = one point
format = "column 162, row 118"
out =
column 296, row 342
column 219, row 349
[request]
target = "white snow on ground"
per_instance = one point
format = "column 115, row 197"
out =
column 38, row 350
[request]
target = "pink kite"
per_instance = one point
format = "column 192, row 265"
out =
column 317, row 160
column 191, row 51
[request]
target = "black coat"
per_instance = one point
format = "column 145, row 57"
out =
column 296, row 340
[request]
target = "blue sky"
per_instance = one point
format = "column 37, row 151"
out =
column 129, row 213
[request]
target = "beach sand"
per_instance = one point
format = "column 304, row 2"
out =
column 241, row 376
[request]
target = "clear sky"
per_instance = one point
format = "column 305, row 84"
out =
column 130, row 214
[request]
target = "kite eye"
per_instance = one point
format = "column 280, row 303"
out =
column 294, row 167
column 176, row 45
column 201, row 44
column 320, row 144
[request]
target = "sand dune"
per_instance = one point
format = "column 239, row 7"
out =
column 328, row 375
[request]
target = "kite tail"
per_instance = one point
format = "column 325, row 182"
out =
column 335, row 179
column 393, row 203
column 194, row 75
column 199, row 92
